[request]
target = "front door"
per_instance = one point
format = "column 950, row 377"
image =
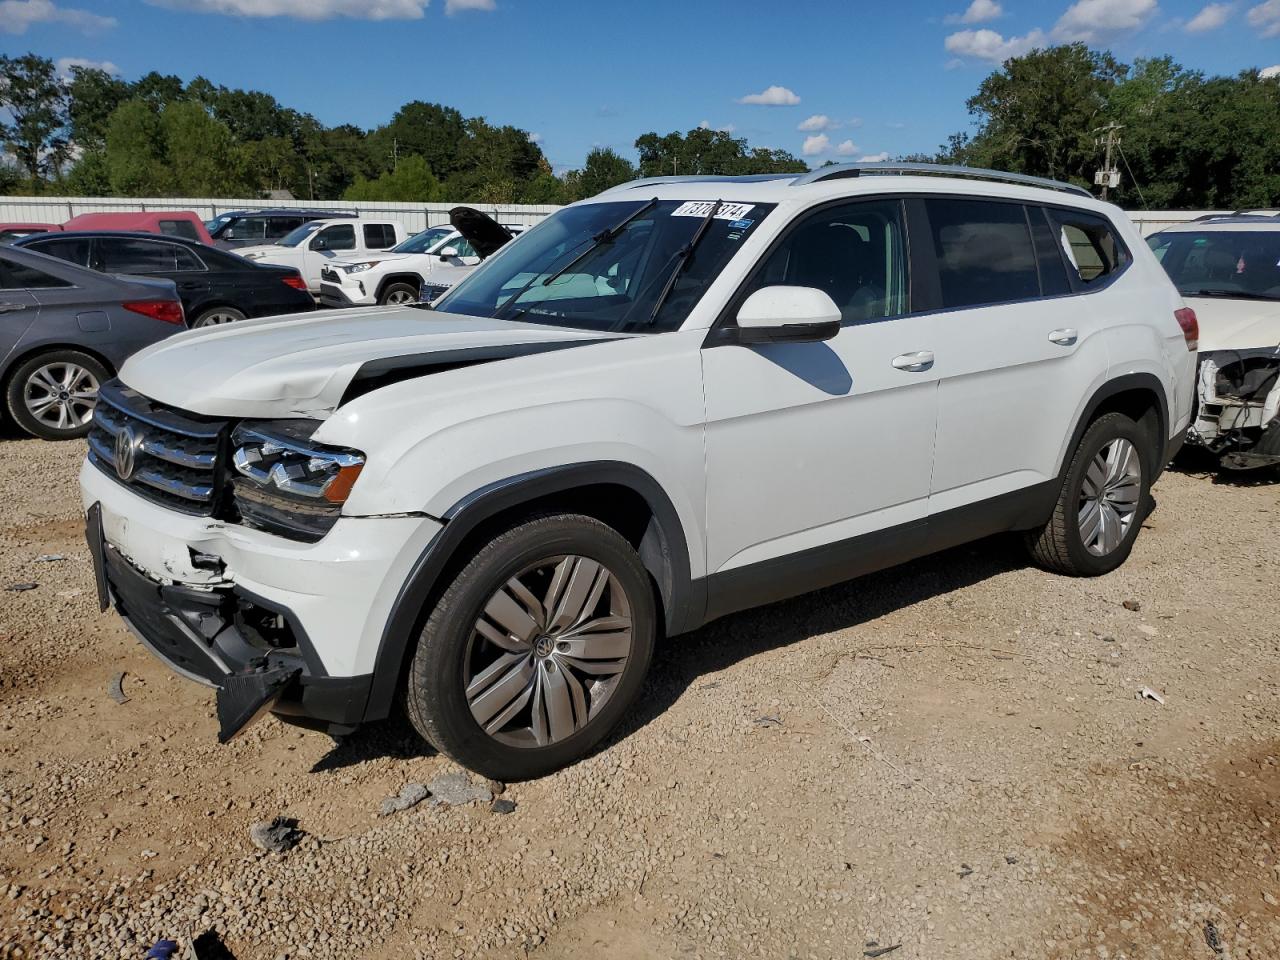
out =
column 810, row 445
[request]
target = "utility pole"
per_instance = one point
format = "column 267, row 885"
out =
column 1109, row 175
column 395, row 153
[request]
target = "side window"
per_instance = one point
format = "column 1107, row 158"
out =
column 855, row 253
column 72, row 250
column 1053, row 270
column 1090, row 245
column 19, row 276
column 984, row 252
column 464, row 247
column 379, row 236
column 340, row 236
column 246, row 228
column 179, row 228
column 127, row 255
column 278, row 227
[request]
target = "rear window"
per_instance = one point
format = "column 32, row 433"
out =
column 379, row 236
column 179, row 228
column 984, row 252
column 1090, row 244
column 19, row 276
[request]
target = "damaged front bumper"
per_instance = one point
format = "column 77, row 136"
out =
column 255, row 654
column 1238, row 407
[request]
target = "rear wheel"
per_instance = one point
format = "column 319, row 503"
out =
column 399, row 294
column 53, row 394
column 536, row 649
column 215, row 316
column 1102, row 503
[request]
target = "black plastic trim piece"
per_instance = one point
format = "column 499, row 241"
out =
column 664, row 552
column 1122, row 384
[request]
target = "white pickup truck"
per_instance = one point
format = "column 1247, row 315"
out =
column 314, row 244
column 421, row 268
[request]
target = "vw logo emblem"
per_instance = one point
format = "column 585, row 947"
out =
column 128, row 443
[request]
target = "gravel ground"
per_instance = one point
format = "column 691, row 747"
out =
column 950, row 756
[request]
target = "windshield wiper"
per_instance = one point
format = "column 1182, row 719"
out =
column 683, row 261
column 607, row 235
column 1226, row 293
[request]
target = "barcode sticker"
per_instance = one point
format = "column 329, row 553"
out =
column 700, row 208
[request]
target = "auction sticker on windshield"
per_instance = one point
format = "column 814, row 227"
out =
column 700, row 208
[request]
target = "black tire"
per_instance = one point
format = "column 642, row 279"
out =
column 399, row 289
column 436, row 697
column 216, row 316
column 1060, row 545
column 25, row 384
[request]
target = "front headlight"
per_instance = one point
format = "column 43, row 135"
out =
column 285, row 483
column 360, row 267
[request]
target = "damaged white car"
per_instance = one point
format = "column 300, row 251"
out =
column 1228, row 269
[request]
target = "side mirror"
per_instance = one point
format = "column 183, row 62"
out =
column 319, row 243
column 448, row 253
column 788, row 315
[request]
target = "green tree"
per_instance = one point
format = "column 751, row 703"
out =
column 604, row 169
column 703, row 152
column 411, row 182
column 430, row 130
column 35, row 100
column 134, row 157
column 89, row 176
column 202, row 155
column 92, row 96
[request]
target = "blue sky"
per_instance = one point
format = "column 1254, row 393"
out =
column 839, row 78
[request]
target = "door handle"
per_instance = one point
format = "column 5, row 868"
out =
column 916, row 362
column 1064, row 337
column 11, row 307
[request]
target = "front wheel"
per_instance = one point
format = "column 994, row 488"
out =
column 52, row 395
column 536, row 649
column 399, row 294
column 1102, row 503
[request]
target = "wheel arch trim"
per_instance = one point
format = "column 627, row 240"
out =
column 1125, row 383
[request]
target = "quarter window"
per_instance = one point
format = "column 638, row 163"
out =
column 379, row 236
column 1092, row 249
column 854, row 253
column 984, row 252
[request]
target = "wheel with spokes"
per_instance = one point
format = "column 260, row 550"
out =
column 399, row 295
column 217, row 316
column 536, row 649
column 52, row 395
column 1102, row 503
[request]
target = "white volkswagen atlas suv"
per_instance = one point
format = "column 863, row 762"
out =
column 681, row 398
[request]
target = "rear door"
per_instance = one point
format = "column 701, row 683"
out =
column 18, row 307
column 1016, row 351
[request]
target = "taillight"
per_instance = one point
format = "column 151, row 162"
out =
column 294, row 280
column 1186, row 318
column 166, row 311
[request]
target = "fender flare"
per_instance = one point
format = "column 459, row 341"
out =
column 400, row 277
column 1122, row 384
column 663, row 550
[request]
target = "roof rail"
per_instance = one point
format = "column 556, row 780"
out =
column 1265, row 214
column 752, row 178
column 839, row 171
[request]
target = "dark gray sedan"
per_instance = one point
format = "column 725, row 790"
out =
column 64, row 330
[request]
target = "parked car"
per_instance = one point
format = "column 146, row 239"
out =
column 215, row 286
column 171, row 223
column 421, row 268
column 681, row 398
column 64, row 330
column 16, row 231
column 318, row 242
column 1228, row 269
column 244, row 228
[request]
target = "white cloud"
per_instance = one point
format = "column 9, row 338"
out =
column 894, row 124
column 727, row 128
column 775, row 96
column 64, row 65
column 992, row 46
column 1092, row 20
column 1266, row 73
column 459, row 6
column 1211, row 17
column 980, row 11
column 535, row 138
column 304, row 9
column 846, row 149
column 818, row 143
column 1266, row 17
column 17, row 15
column 875, row 157
column 819, row 121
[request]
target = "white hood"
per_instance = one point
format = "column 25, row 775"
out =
column 287, row 367
column 1227, row 324
column 373, row 256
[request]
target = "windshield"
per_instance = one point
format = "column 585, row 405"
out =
column 217, row 223
column 1243, row 264
column 422, row 242
column 295, row 237
column 610, row 284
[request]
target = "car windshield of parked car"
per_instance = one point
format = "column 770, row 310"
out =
column 626, row 266
column 422, row 242
column 295, row 237
column 217, row 223
column 1243, row 264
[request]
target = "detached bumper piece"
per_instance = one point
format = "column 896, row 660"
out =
column 255, row 654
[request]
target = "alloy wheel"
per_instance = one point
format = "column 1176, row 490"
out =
column 1109, row 497
column 398, row 298
column 217, row 318
column 547, row 652
column 61, row 395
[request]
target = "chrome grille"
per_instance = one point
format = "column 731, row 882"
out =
column 174, row 456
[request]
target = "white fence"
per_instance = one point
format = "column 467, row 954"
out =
column 414, row 216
